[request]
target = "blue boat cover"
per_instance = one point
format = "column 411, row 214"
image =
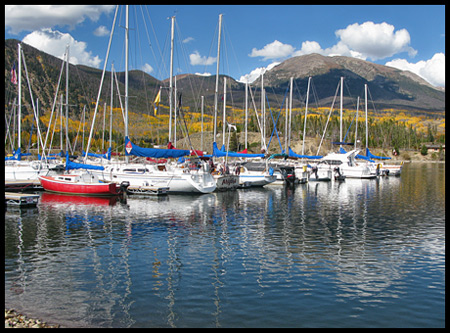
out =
column 73, row 165
column 369, row 154
column 106, row 155
column 16, row 155
column 132, row 149
column 220, row 153
column 292, row 154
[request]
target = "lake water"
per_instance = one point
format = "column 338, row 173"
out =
column 361, row 253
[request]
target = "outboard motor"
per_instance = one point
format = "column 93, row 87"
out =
column 123, row 190
column 338, row 175
column 314, row 171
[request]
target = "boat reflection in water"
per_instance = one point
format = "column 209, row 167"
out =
column 49, row 198
column 261, row 257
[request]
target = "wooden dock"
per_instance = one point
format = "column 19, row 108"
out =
column 21, row 199
column 21, row 185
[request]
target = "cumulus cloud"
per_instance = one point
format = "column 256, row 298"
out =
column 375, row 41
column 274, row 50
column 432, row 70
column 36, row 17
column 187, row 40
column 256, row 73
column 101, row 31
column 366, row 41
column 197, row 59
column 54, row 42
column 203, row 74
column 147, row 68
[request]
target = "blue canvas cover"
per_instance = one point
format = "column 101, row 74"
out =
column 73, row 165
column 292, row 154
column 106, row 155
column 369, row 154
column 132, row 149
column 219, row 153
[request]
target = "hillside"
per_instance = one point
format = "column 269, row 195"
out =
column 390, row 88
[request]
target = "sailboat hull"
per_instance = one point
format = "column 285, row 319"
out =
column 68, row 185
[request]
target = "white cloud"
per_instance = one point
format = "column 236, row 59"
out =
column 375, row 41
column 147, row 68
column 187, row 40
column 197, row 59
column 101, row 31
column 55, row 42
column 274, row 50
column 363, row 41
column 36, row 17
column 203, row 74
column 432, row 70
column 256, row 73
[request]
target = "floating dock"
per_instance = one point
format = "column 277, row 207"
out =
column 148, row 190
column 21, row 185
column 21, row 199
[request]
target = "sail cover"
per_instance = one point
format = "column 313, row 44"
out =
column 369, row 154
column 73, row 165
column 219, row 153
column 132, row 149
column 106, row 155
column 293, row 154
column 362, row 157
column 16, row 156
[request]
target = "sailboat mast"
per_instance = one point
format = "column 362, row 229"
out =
column 224, row 108
column 67, row 98
column 367, row 127
column 341, row 100
column 19, row 115
column 290, row 112
column 201, row 142
column 126, row 75
column 217, row 78
column 171, row 79
column 111, row 111
column 246, row 112
column 306, row 115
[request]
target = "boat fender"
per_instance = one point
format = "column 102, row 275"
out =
column 271, row 171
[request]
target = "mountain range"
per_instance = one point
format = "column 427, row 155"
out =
column 389, row 88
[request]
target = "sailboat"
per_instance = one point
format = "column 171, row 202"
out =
column 17, row 169
column 385, row 169
column 346, row 161
column 81, row 183
column 184, row 176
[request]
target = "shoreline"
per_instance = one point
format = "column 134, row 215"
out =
column 14, row 319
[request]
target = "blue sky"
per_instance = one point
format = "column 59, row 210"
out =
column 254, row 37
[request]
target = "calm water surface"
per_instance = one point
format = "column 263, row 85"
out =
column 362, row 253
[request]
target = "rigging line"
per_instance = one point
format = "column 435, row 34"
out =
column 154, row 33
column 273, row 121
column 188, row 77
column 329, row 115
column 143, row 72
column 349, row 94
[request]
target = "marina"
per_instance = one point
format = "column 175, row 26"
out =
column 121, row 210
column 353, row 253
